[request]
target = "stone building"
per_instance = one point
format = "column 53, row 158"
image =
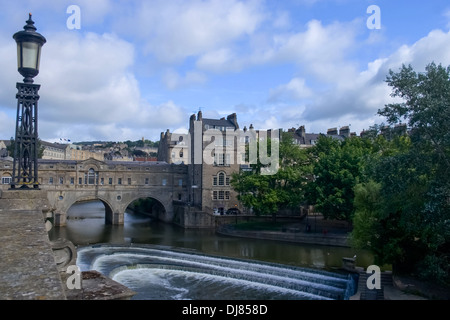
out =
column 74, row 152
column 58, row 151
column 213, row 159
column 53, row 151
column 302, row 138
column 4, row 154
column 209, row 150
column 213, row 149
column 342, row 134
column 173, row 148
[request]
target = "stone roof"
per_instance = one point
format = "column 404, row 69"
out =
column 218, row 123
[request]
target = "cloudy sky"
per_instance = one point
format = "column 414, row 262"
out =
column 121, row 70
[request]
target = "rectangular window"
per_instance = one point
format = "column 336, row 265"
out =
column 50, row 180
column 110, row 180
column 119, row 181
column 221, row 195
column 146, row 180
column 129, row 181
column 227, row 181
column 164, row 182
column 214, row 195
column 180, row 182
column 227, row 195
column 179, row 196
column 102, row 181
column 72, row 180
column 222, row 159
column 61, row 180
column 80, row 181
column 214, row 181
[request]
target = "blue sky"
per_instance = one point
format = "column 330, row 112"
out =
column 137, row 68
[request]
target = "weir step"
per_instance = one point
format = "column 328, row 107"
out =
column 373, row 294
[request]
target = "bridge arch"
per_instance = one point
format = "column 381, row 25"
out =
column 109, row 209
column 149, row 204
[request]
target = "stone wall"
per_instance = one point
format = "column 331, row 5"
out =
column 192, row 218
column 28, row 269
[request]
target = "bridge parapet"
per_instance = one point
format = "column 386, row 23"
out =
column 115, row 184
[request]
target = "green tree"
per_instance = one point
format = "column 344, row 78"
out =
column 268, row 194
column 12, row 146
column 367, row 232
column 338, row 167
column 412, row 216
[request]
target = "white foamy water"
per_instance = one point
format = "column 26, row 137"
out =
column 166, row 274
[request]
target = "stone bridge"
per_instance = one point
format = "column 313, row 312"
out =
column 115, row 184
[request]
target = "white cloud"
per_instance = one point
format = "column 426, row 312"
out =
column 91, row 85
column 446, row 15
column 87, row 79
column 281, row 19
column 175, row 30
column 320, row 49
column 296, row 90
column 367, row 92
column 219, row 60
column 88, row 90
column 173, row 80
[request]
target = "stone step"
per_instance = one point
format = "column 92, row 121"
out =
column 373, row 294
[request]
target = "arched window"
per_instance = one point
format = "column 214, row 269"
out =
column 221, row 179
column 92, row 177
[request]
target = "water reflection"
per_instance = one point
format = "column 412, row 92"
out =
column 86, row 225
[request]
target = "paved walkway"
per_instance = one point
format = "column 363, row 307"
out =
column 27, row 265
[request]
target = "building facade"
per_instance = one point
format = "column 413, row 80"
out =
column 213, row 160
column 213, row 149
column 58, row 151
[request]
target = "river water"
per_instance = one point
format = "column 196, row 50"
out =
column 164, row 261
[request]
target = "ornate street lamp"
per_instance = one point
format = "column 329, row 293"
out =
column 25, row 169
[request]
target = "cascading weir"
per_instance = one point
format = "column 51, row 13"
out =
column 162, row 273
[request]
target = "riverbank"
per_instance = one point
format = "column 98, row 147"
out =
column 306, row 230
column 291, row 233
column 401, row 287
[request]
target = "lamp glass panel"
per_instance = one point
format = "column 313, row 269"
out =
column 30, row 52
column 19, row 55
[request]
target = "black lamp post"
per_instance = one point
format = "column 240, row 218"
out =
column 25, row 169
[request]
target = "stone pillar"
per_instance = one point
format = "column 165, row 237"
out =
column 114, row 218
column 59, row 219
